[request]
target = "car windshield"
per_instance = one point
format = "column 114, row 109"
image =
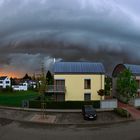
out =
column 89, row 109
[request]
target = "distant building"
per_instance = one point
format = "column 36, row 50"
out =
column 135, row 69
column 5, row 82
column 77, row 81
column 20, row 87
column 32, row 84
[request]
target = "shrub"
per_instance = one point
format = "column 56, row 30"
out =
column 122, row 112
column 63, row 104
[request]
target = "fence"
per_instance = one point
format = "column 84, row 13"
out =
column 25, row 103
column 109, row 104
column 135, row 102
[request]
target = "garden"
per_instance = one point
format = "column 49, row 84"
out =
column 15, row 98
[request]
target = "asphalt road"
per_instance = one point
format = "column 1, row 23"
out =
column 11, row 130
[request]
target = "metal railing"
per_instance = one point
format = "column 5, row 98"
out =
column 56, row 88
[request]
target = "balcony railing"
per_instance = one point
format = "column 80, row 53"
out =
column 56, row 88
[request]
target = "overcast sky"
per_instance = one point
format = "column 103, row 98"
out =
column 32, row 31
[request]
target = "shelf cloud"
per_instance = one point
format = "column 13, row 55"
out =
column 32, row 31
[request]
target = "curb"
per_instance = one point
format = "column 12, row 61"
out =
column 69, row 124
column 50, row 110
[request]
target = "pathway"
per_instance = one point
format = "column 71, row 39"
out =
column 132, row 110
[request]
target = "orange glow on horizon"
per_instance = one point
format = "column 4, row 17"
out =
column 11, row 74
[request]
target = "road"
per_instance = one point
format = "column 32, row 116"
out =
column 12, row 130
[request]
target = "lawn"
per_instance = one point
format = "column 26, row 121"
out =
column 15, row 98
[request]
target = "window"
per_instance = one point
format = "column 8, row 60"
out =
column 59, row 82
column 87, row 83
column 1, row 82
column 59, row 85
column 7, row 82
column 87, row 97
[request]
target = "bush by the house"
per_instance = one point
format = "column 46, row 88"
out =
column 63, row 104
column 121, row 112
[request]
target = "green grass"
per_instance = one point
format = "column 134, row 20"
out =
column 15, row 98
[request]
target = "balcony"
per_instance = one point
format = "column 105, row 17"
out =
column 56, row 89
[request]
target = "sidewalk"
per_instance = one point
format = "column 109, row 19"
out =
column 50, row 110
column 57, row 118
column 132, row 110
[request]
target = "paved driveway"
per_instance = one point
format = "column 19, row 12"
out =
column 132, row 110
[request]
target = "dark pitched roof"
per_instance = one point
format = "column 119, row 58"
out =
column 135, row 69
column 78, row 67
column 3, row 77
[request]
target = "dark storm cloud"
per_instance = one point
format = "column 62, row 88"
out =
column 72, row 30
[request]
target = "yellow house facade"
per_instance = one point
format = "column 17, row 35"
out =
column 76, row 89
column 78, row 81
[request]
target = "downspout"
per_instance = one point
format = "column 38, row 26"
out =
column 101, row 82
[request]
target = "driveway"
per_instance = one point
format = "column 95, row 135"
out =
column 132, row 110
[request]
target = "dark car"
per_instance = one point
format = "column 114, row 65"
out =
column 89, row 112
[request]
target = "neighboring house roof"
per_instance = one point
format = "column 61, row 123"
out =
column 3, row 77
column 135, row 69
column 78, row 67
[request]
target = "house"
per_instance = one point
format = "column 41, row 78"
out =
column 32, row 84
column 77, row 81
column 20, row 87
column 5, row 82
column 135, row 69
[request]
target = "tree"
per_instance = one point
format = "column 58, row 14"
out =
column 101, row 93
column 108, row 85
column 42, row 87
column 49, row 78
column 13, row 82
column 33, row 77
column 26, row 77
column 126, row 85
column 42, row 90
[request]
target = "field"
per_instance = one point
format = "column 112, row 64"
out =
column 15, row 98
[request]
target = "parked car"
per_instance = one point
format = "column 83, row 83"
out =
column 89, row 112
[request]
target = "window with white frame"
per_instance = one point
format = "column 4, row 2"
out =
column 87, row 83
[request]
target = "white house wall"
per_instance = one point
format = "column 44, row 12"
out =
column 4, row 83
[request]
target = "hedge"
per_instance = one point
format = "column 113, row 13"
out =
column 121, row 112
column 63, row 104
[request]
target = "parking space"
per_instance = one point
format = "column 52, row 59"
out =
column 62, row 118
column 77, row 118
